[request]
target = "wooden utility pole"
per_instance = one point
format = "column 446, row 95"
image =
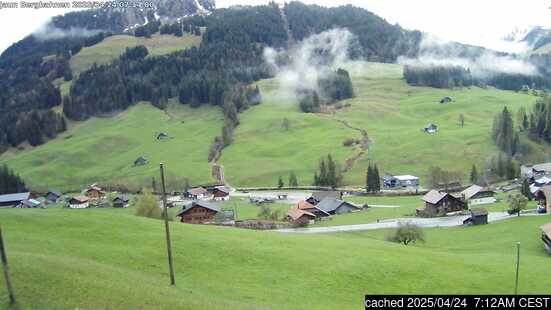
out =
column 518, row 265
column 167, row 229
column 6, row 269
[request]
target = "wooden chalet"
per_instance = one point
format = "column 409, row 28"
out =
column 221, row 193
column 300, row 217
column 121, row 201
column 94, row 192
column 543, row 196
column 440, row 203
column 197, row 193
column 336, row 206
column 198, row 212
column 13, row 200
column 317, row 197
column 79, row 202
column 479, row 216
column 477, row 195
column 308, row 207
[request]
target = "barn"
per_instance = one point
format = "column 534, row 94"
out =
column 198, row 212
column 221, row 193
column 12, row 200
column 336, row 206
column 94, row 192
column 477, row 195
column 479, row 216
column 300, row 217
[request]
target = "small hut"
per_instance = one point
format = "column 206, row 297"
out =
column 431, row 128
column 162, row 136
column 141, row 161
column 479, row 216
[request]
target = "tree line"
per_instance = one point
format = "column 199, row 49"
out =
column 332, row 87
column 329, row 173
column 10, row 182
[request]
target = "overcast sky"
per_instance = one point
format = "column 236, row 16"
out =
column 478, row 22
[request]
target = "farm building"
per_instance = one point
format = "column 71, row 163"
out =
column 13, row 200
column 162, row 136
column 546, row 236
column 221, row 193
column 431, row 128
column 197, row 193
column 79, row 202
column 308, row 207
column 53, row 197
column 440, row 203
column 94, row 192
column 543, row 196
column 336, row 206
column 479, row 216
column 316, row 197
column 121, row 201
column 478, row 195
column 198, row 212
column 300, row 217
column 446, row 100
column 390, row 181
column 141, row 161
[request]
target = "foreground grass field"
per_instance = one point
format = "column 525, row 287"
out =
column 104, row 149
column 111, row 259
column 112, row 47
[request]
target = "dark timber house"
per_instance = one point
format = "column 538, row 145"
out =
column 479, row 216
column 300, row 217
column 198, row 212
column 440, row 203
column 121, row 201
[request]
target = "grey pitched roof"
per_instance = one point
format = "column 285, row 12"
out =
column 434, row 196
column 58, row 194
column 331, row 204
column 14, row 197
column 31, row 203
column 319, row 196
column 122, row 197
column 199, row 203
column 473, row 190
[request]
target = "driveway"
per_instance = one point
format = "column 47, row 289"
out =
column 448, row 221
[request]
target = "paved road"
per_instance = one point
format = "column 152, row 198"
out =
column 448, row 221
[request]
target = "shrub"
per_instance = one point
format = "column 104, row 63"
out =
column 517, row 203
column 147, row 205
column 407, row 233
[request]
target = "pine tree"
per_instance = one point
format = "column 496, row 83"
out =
column 280, row 183
column 293, row 179
column 368, row 178
column 331, row 172
column 322, row 178
column 525, row 189
column 376, row 179
column 474, row 175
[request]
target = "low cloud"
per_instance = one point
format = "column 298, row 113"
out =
column 482, row 63
column 303, row 65
column 50, row 32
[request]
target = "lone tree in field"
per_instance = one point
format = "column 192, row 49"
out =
column 293, row 182
column 280, row 182
column 525, row 190
column 517, row 203
column 147, row 205
column 474, row 177
column 407, row 233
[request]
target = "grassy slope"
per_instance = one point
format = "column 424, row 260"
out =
column 112, row 47
column 393, row 114
column 107, row 258
column 104, row 149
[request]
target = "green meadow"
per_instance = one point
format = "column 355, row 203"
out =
column 112, row 47
column 392, row 112
column 112, row 259
column 104, row 150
